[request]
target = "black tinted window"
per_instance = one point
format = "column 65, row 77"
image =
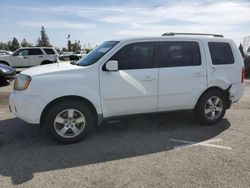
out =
column 21, row 52
column 49, row 51
column 35, row 52
column 135, row 56
column 221, row 53
column 176, row 54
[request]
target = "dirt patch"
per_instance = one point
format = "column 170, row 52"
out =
column 4, row 96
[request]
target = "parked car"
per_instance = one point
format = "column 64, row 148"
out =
column 132, row 76
column 6, row 74
column 5, row 52
column 30, row 56
column 80, row 53
column 69, row 56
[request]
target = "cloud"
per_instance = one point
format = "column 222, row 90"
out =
column 57, row 24
column 230, row 18
column 227, row 17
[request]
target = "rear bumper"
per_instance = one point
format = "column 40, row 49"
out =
column 236, row 92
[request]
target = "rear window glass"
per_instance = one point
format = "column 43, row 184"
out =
column 35, row 51
column 221, row 53
column 49, row 51
column 179, row 54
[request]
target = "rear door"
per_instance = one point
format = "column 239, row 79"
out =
column 36, row 56
column 182, row 74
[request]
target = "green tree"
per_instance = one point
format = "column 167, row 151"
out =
column 76, row 46
column 15, row 44
column 43, row 40
column 58, row 49
column 64, row 49
column 9, row 43
column 25, row 43
column 241, row 50
column 4, row 46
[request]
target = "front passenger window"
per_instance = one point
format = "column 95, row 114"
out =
column 135, row 56
column 23, row 52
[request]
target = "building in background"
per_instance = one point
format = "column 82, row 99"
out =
column 246, row 43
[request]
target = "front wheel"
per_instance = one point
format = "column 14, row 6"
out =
column 69, row 121
column 210, row 108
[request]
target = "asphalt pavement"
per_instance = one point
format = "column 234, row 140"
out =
column 164, row 150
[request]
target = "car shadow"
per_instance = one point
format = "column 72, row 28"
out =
column 25, row 149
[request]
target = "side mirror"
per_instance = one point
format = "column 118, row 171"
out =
column 111, row 65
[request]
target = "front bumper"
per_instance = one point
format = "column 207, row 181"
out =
column 26, row 106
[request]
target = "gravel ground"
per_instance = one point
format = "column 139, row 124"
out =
column 139, row 151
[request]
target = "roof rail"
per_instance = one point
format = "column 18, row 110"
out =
column 202, row 34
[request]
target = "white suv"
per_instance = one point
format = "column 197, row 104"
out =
column 131, row 76
column 30, row 56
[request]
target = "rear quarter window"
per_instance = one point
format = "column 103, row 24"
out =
column 221, row 53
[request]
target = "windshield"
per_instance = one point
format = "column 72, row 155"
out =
column 96, row 54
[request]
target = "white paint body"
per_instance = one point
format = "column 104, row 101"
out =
column 126, row 92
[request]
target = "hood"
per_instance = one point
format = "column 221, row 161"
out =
column 4, row 69
column 54, row 68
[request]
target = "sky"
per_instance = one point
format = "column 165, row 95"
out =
column 101, row 20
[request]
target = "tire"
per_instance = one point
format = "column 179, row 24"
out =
column 61, row 121
column 46, row 62
column 210, row 108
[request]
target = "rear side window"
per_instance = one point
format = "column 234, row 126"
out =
column 35, row 51
column 178, row 54
column 49, row 51
column 221, row 53
column 135, row 56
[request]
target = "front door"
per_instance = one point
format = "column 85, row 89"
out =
column 133, row 88
column 20, row 58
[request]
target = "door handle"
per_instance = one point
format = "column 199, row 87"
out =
column 25, row 57
column 40, row 56
column 197, row 74
column 148, row 79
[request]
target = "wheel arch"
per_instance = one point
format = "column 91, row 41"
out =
column 45, row 62
column 64, row 98
column 225, row 92
column 4, row 62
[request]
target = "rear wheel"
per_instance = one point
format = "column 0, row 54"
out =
column 210, row 108
column 46, row 62
column 69, row 121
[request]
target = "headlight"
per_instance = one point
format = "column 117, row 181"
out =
column 22, row 82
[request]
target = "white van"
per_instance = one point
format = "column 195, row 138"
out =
column 131, row 76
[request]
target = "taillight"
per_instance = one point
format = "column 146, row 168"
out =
column 243, row 74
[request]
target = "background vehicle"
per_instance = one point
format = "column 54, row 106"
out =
column 132, row 76
column 6, row 73
column 4, row 52
column 30, row 56
column 81, row 53
column 69, row 56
